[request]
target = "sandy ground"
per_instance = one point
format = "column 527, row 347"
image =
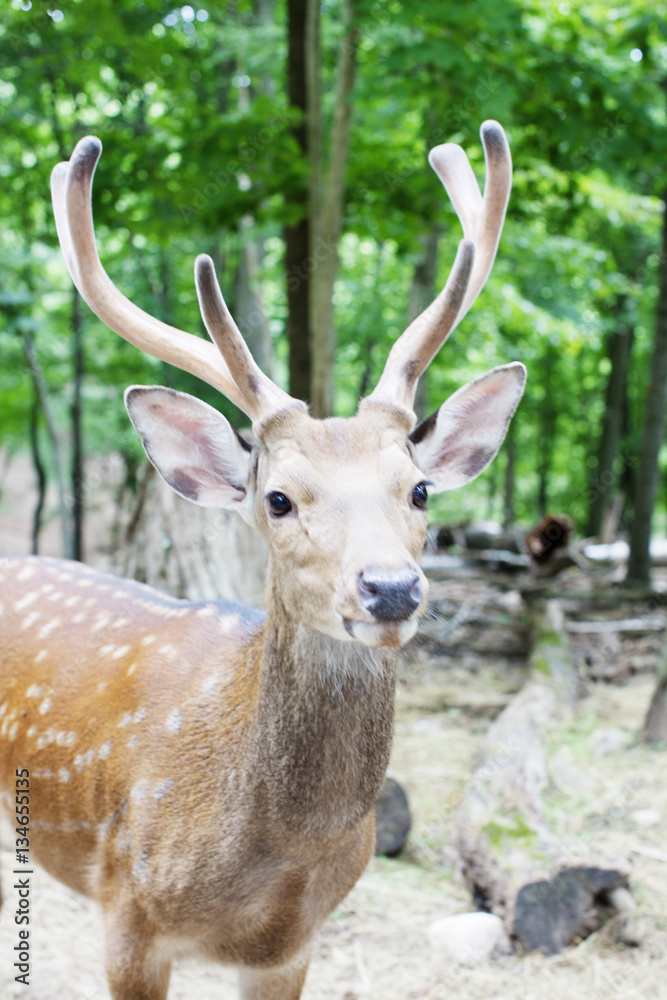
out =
column 375, row 945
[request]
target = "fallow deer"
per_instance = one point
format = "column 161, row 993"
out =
column 205, row 772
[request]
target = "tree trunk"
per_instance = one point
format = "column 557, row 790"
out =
column 327, row 230
column 422, row 293
column 510, row 474
column 42, row 392
column 77, row 435
column 646, row 487
column 548, row 418
column 40, row 473
column 604, row 488
column 297, row 235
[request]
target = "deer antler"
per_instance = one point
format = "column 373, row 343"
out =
column 482, row 220
column 256, row 395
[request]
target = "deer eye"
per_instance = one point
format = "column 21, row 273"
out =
column 420, row 496
column 279, row 505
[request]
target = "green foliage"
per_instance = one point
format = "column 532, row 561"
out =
column 190, row 105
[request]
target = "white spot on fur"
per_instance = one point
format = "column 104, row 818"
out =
column 13, row 731
column 34, row 691
column 126, row 720
column 227, row 623
column 120, row 652
column 66, row 738
column 206, row 611
column 120, row 622
column 44, row 773
column 32, row 731
column 101, row 622
column 148, row 639
column 45, row 706
column 64, row 775
column 30, row 619
column 104, row 750
column 70, row 602
column 49, row 627
column 133, row 742
column 140, row 714
column 55, row 596
column 130, row 670
column 139, row 790
column 25, row 601
column 209, row 685
column 174, row 720
column 3, row 708
column 106, row 650
column 101, row 686
column 84, row 759
column 161, row 789
column 78, row 618
column 26, row 573
column 42, row 655
column 168, row 650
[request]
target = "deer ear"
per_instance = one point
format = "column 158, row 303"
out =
column 459, row 440
column 193, row 447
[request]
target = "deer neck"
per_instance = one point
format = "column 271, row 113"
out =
column 324, row 726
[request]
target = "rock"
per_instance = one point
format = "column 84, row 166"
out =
column 634, row 930
column 621, row 900
column 469, row 938
column 646, row 817
column 605, row 741
column 548, row 916
column 392, row 819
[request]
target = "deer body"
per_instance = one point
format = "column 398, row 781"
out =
column 206, row 773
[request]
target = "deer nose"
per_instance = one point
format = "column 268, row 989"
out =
column 389, row 597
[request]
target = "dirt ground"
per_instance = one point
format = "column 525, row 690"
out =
column 470, row 659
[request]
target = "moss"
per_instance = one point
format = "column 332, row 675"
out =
column 510, row 828
column 541, row 665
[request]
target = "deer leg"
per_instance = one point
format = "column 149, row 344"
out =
column 134, row 970
column 282, row 983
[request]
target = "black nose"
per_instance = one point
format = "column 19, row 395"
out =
column 390, row 598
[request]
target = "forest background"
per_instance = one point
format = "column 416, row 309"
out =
column 288, row 139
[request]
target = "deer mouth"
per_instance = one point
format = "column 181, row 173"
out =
column 391, row 633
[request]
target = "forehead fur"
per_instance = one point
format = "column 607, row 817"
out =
column 374, row 427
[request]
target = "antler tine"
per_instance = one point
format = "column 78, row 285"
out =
column 266, row 396
column 482, row 218
column 482, row 221
column 71, row 185
column 417, row 346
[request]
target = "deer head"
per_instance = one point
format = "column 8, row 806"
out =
column 341, row 503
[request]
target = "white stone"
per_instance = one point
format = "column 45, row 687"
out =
column 606, row 741
column 468, row 938
column 647, row 817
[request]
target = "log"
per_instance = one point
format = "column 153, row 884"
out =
column 617, row 625
column 514, row 864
